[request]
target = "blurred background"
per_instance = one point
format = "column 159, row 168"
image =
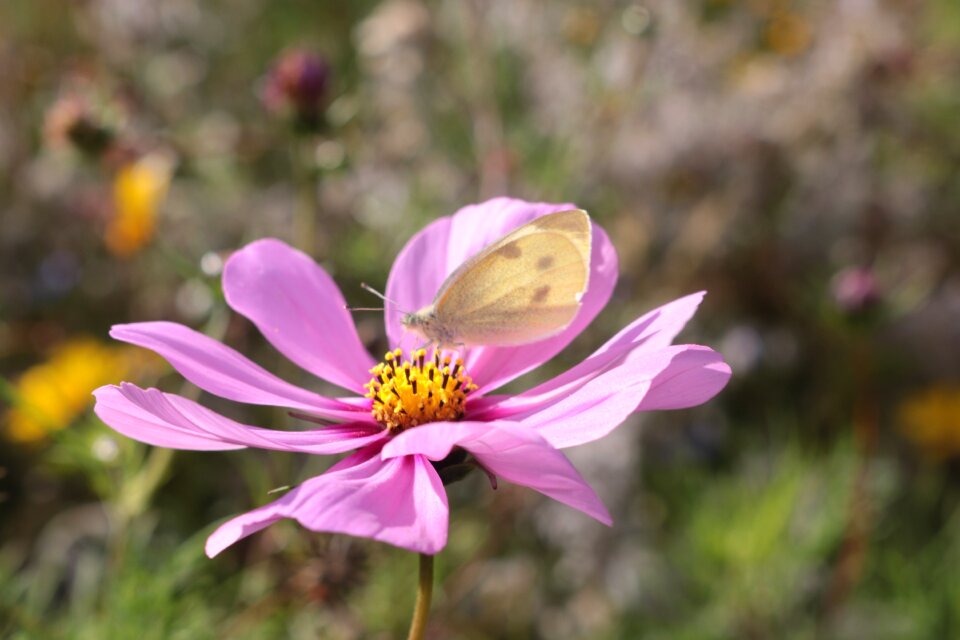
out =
column 798, row 159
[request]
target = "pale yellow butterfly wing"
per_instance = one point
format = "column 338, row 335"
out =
column 525, row 287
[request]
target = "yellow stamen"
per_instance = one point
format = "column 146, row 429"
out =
column 407, row 393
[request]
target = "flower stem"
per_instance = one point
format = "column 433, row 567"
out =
column 308, row 204
column 421, row 609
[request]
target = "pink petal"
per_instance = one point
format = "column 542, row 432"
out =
column 217, row 368
column 691, row 379
column 508, row 450
column 415, row 278
column 167, row 420
column 399, row 501
column 672, row 378
column 658, row 328
column 651, row 332
column 441, row 247
column 299, row 309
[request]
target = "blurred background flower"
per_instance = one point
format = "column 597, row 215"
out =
column 50, row 395
column 931, row 419
column 298, row 86
column 139, row 190
column 85, row 116
column 855, row 289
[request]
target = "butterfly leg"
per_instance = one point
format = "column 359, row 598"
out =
column 458, row 347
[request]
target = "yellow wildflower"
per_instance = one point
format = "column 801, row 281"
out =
column 53, row 393
column 931, row 418
column 139, row 190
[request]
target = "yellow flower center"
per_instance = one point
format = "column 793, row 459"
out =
column 407, row 393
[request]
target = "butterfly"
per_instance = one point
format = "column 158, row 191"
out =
column 524, row 287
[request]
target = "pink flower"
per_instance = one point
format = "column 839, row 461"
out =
column 855, row 289
column 390, row 489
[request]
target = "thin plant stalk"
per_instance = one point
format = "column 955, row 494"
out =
column 308, row 201
column 421, row 610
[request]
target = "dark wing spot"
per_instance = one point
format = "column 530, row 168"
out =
column 545, row 263
column 510, row 251
column 540, row 295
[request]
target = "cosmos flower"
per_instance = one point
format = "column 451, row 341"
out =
column 412, row 417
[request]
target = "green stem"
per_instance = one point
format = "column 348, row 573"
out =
column 421, row 610
column 136, row 495
column 308, row 204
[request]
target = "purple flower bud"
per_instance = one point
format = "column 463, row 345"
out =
column 297, row 85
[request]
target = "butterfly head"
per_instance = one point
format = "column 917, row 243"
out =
column 425, row 324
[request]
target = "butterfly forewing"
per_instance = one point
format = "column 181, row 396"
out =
column 525, row 287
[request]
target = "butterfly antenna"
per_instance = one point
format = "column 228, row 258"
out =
column 366, row 287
